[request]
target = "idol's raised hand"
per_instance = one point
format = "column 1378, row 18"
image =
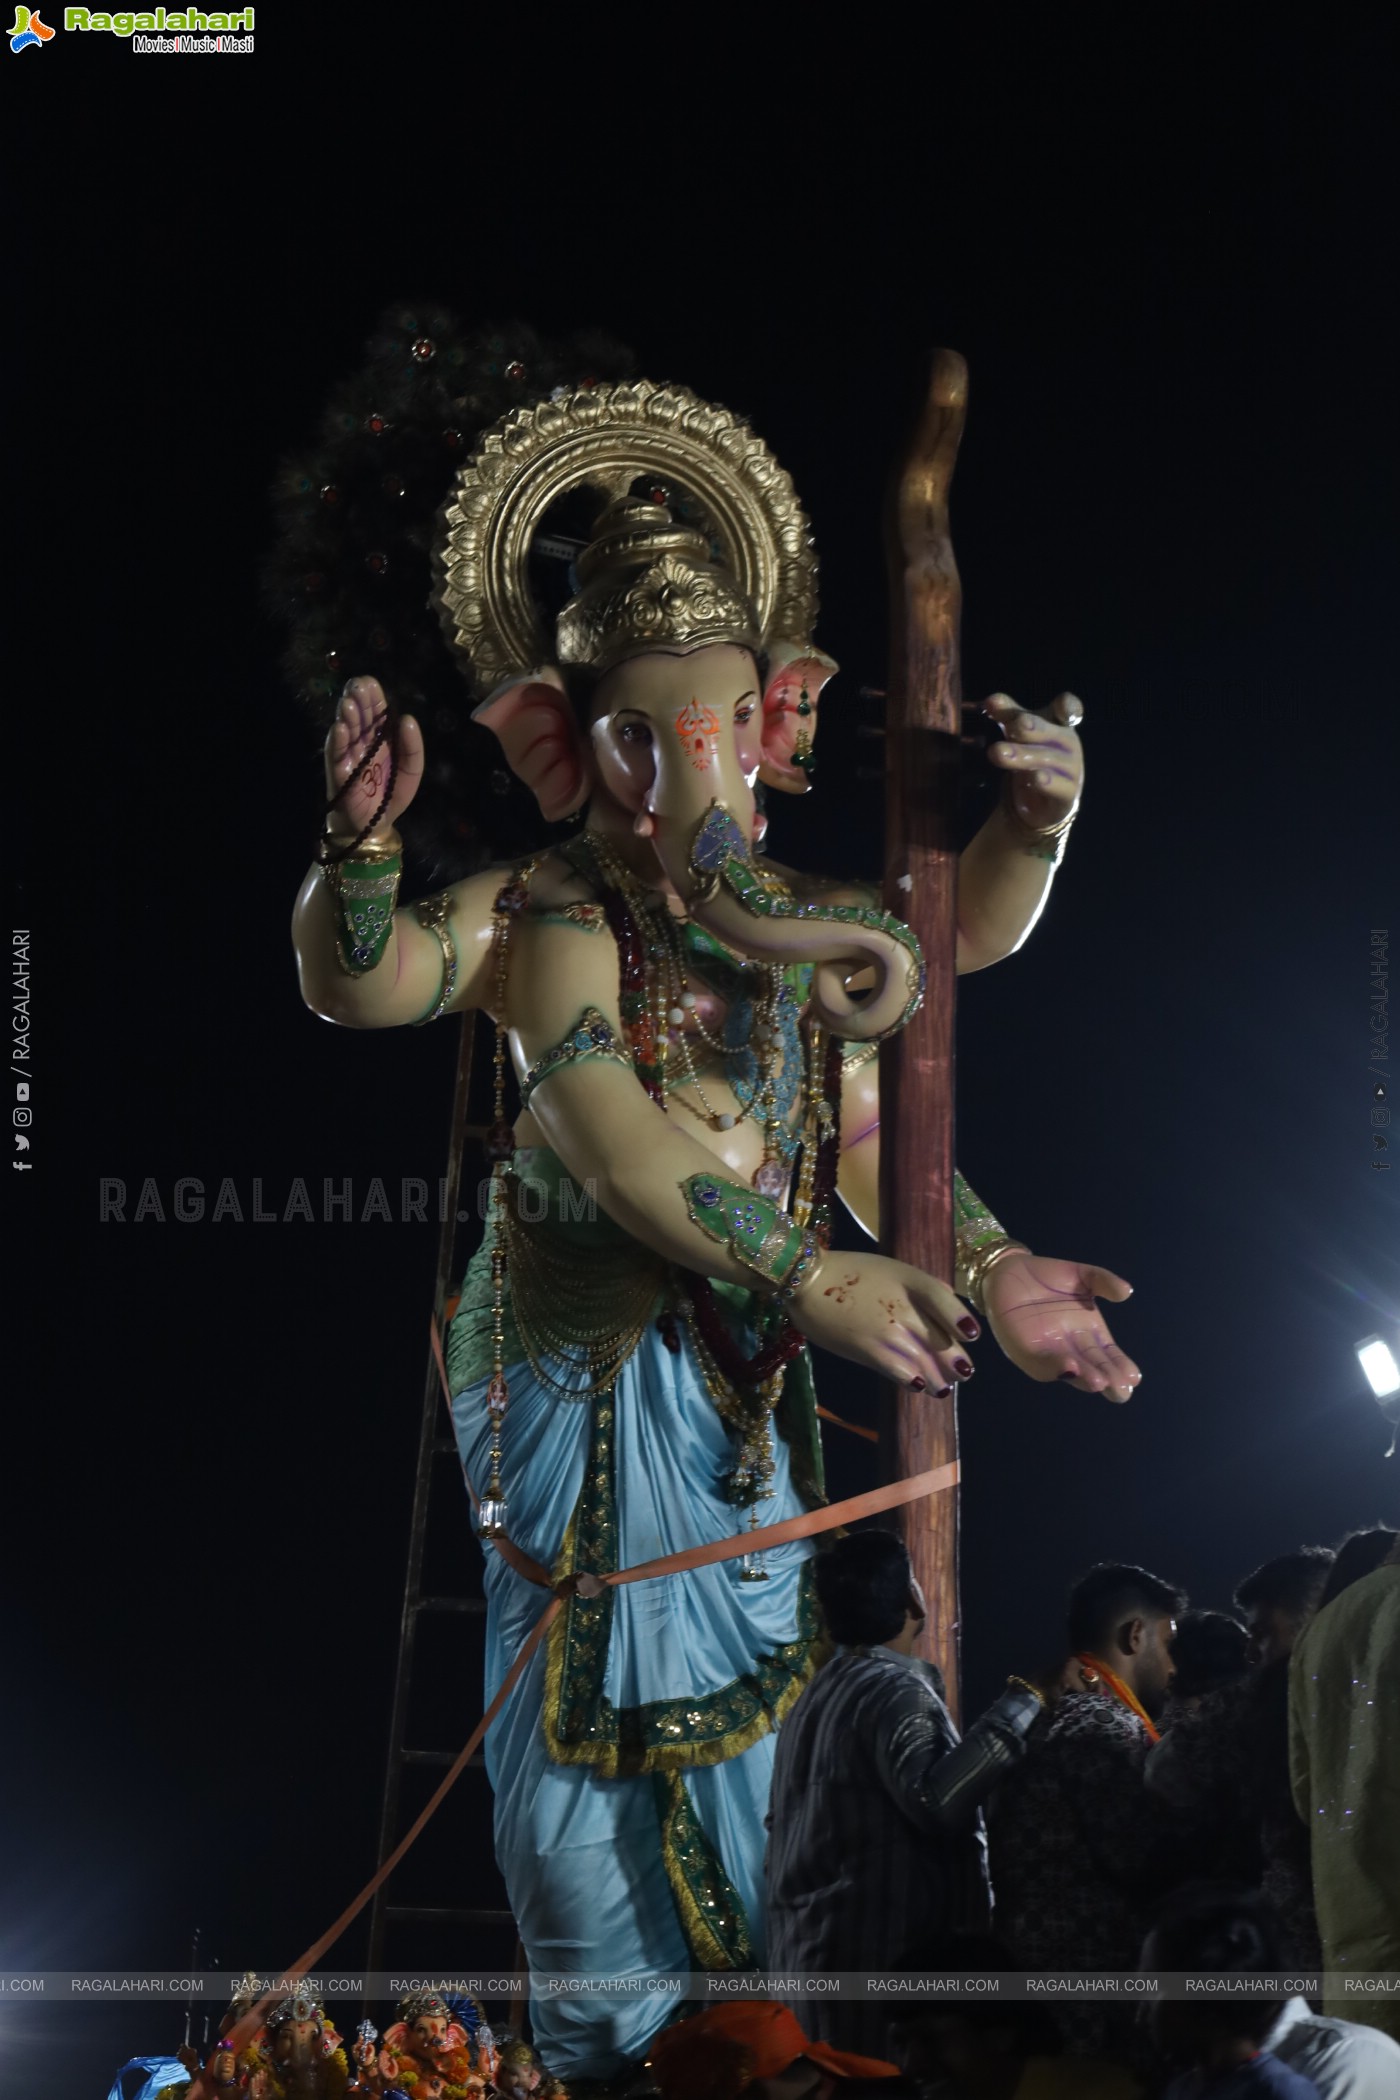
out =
column 1043, row 756
column 1045, row 1315
column 362, row 709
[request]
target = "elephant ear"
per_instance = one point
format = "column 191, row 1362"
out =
column 538, row 730
column 795, row 680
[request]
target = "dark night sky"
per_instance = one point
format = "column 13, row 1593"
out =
column 1165, row 261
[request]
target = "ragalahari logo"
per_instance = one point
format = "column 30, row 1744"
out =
column 28, row 30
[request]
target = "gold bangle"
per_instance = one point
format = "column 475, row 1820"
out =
column 1025, row 1685
column 978, row 1265
column 1047, row 841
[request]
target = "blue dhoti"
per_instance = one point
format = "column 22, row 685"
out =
column 631, row 1763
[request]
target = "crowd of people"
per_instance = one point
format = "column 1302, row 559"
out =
column 1183, row 1792
column 1180, row 1794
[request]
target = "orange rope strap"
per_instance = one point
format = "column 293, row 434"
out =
column 935, row 1482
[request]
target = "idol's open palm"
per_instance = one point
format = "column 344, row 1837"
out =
column 1046, row 1317
column 357, row 720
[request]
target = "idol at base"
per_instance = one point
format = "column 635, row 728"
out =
column 693, row 1030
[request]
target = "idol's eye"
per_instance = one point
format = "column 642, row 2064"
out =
column 743, row 711
column 634, row 731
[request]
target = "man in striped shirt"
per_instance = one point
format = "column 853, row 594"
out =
column 876, row 1848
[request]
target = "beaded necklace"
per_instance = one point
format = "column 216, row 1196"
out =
column 759, row 1042
column 650, row 936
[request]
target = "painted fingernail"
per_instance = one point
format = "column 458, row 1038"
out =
column 969, row 1327
column 945, row 1392
column 962, row 1367
column 916, row 1385
column 1069, row 1376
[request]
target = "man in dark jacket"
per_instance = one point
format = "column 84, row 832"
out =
column 876, row 1845
column 1223, row 1769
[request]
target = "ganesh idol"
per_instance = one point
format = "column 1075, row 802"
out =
column 439, row 2048
column 692, row 1031
column 296, row 2053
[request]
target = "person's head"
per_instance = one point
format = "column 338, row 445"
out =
column 1209, row 1651
column 868, row 1594
column 755, row 2048
column 1216, row 1928
column 1279, row 1596
column 1126, row 1617
column 1358, row 1556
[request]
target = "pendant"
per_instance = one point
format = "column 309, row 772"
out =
column 771, row 1178
column 751, row 1568
column 491, row 1517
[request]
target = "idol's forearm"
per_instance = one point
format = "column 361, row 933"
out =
column 1004, row 878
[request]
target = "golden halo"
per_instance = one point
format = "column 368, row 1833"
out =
column 604, row 437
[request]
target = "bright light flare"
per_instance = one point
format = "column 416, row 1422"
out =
column 1377, row 1360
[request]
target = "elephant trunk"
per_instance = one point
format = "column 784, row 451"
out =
column 727, row 896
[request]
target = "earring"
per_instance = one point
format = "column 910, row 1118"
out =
column 802, row 754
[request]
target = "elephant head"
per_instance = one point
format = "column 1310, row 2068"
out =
column 677, row 739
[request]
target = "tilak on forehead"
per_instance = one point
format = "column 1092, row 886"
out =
column 697, row 726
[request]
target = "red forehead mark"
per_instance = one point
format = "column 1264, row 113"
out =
column 698, row 729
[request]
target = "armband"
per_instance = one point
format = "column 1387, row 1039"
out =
column 434, row 915
column 755, row 1230
column 365, row 885
column 592, row 1035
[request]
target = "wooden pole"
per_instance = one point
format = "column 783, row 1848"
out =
column 923, row 724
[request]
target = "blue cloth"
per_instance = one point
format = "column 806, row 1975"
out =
column 581, row 1852
column 163, row 2072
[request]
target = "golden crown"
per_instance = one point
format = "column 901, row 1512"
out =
column 646, row 580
